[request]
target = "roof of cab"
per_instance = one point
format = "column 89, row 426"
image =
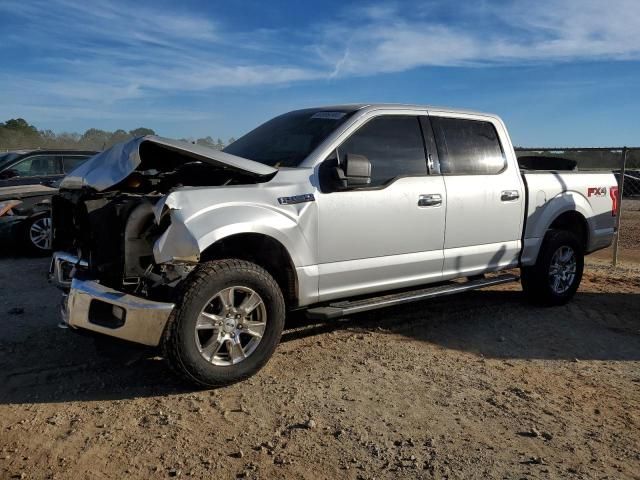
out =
column 365, row 107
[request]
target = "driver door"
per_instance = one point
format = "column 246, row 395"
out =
column 384, row 235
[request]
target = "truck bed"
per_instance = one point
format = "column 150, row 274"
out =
column 550, row 194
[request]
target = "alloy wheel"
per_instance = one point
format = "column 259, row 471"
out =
column 230, row 326
column 40, row 233
column 562, row 271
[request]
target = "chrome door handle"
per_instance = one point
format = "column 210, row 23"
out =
column 509, row 195
column 430, row 200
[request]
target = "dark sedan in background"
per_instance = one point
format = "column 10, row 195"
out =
column 28, row 179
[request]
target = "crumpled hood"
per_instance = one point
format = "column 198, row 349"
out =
column 115, row 164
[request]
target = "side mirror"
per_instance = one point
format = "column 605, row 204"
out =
column 355, row 171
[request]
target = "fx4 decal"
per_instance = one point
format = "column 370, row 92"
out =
column 596, row 191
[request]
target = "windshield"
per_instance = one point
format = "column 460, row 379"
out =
column 6, row 158
column 285, row 141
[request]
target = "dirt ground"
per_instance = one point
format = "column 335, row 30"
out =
column 629, row 242
column 480, row 385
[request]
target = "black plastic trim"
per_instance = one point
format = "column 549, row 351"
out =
column 431, row 148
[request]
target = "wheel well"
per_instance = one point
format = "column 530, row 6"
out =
column 573, row 222
column 264, row 251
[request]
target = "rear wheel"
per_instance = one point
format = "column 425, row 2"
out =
column 556, row 276
column 227, row 325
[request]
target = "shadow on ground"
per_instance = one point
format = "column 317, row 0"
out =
column 56, row 366
column 500, row 324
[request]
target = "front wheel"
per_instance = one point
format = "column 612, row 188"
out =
column 556, row 275
column 227, row 324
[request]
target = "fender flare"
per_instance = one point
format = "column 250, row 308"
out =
column 539, row 222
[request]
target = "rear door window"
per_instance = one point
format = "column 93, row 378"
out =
column 392, row 143
column 468, row 147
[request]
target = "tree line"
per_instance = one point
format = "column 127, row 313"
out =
column 17, row 133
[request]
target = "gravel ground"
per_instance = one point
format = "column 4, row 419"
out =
column 480, row 385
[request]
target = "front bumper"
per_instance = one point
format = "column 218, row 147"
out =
column 92, row 306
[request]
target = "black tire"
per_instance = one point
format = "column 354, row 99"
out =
column 181, row 347
column 537, row 281
column 40, row 221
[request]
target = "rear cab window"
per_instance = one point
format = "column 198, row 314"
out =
column 468, row 147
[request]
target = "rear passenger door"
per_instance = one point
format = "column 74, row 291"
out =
column 485, row 198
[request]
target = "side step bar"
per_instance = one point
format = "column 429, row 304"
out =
column 344, row 308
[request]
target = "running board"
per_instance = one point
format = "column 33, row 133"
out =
column 344, row 308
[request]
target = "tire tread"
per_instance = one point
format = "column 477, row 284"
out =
column 535, row 277
column 172, row 338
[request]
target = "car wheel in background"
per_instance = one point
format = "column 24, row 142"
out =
column 37, row 234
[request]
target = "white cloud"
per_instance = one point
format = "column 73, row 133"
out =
column 109, row 52
column 398, row 39
column 105, row 53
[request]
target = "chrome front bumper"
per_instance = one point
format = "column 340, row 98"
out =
column 92, row 306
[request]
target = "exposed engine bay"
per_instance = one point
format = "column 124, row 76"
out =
column 114, row 229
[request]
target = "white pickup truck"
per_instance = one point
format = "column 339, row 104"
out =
column 333, row 210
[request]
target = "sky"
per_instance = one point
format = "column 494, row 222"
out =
column 560, row 73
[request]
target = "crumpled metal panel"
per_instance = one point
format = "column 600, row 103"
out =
column 116, row 163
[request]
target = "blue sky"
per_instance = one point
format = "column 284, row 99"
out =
column 559, row 72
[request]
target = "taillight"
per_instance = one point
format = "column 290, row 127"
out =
column 613, row 193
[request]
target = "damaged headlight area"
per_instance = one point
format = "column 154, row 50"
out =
column 176, row 243
column 115, row 215
column 114, row 235
column 121, row 237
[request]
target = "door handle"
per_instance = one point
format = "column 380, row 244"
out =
column 430, row 200
column 509, row 195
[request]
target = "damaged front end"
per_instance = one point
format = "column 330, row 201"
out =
column 121, row 246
